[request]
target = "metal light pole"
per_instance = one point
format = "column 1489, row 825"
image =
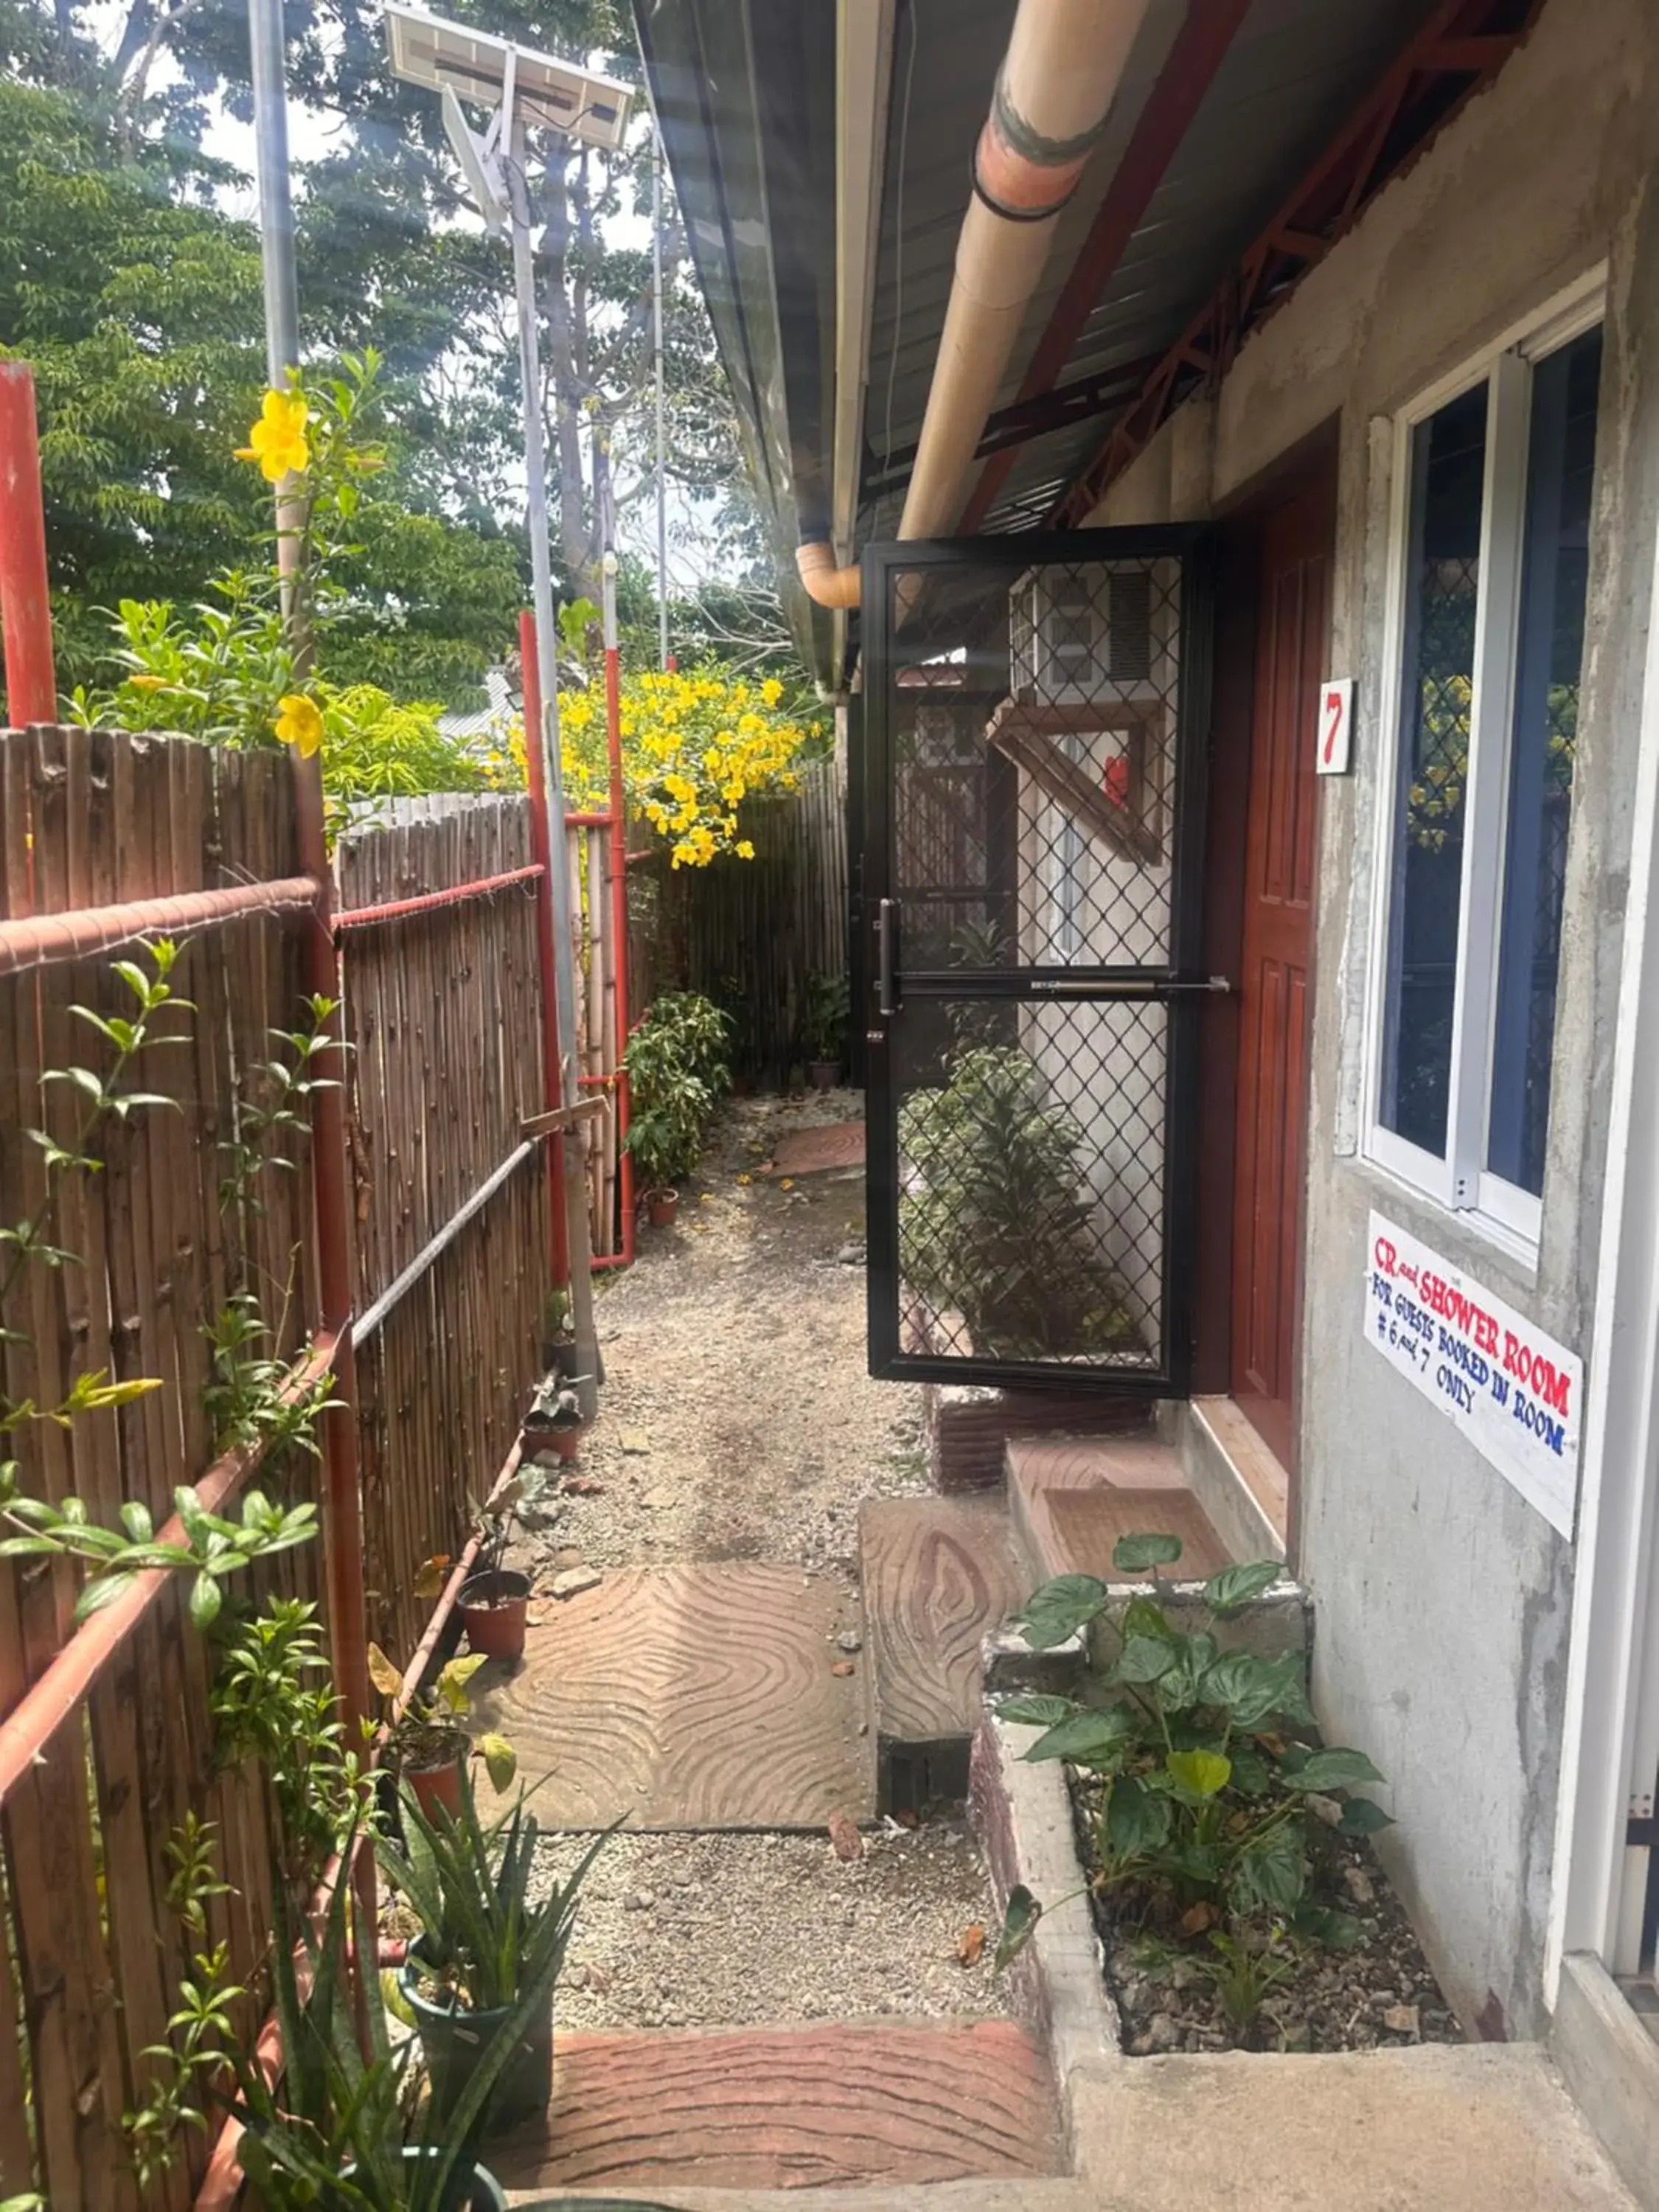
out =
column 578, row 1243
column 662, row 479
column 342, row 1505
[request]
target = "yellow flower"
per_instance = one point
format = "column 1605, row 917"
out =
column 771, row 690
column 143, row 683
column 745, row 850
column 299, row 723
column 277, row 439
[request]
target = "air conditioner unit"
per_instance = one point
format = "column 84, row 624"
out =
column 1079, row 637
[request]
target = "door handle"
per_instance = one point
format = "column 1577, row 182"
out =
column 887, row 956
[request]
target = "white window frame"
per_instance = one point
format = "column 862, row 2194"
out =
column 1460, row 1182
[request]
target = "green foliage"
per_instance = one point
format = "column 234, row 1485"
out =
column 469, row 1882
column 273, row 1699
column 138, row 304
column 677, row 1071
column 825, row 1017
column 1200, row 1777
column 201, row 2029
column 999, row 1227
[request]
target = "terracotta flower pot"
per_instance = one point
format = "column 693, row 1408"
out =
column 492, row 1609
column 662, row 1208
column 436, row 1788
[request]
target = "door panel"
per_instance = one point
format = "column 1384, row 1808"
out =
column 1034, row 710
column 1280, row 851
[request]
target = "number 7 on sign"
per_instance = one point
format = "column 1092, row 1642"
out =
column 1335, row 725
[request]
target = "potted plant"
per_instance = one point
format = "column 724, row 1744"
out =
column 339, row 2132
column 493, row 1600
column 553, row 1422
column 823, row 1028
column 430, row 1745
column 559, row 1344
column 483, row 1942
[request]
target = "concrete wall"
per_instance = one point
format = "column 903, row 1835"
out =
column 1443, row 1599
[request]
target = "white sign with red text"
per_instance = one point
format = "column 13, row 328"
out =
column 1513, row 1392
column 1335, row 744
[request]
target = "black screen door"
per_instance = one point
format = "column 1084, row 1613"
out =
column 1035, row 719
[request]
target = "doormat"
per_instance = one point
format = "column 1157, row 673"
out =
column 813, row 1152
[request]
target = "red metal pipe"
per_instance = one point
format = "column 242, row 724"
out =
column 43, row 940
column 590, row 821
column 619, row 922
column 343, row 1519
column 47, row 1703
column 25, row 595
column 365, row 917
column 552, row 1089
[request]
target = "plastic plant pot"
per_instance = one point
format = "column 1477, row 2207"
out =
column 823, row 1074
column 431, row 1761
column 662, row 1208
column 454, row 2039
column 492, row 1607
column 477, row 2191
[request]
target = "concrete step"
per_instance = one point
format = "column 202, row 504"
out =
column 688, row 1697
column 938, row 1574
column 846, row 2106
column 1071, row 1498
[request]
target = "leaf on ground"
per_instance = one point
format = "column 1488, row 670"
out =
column 970, row 1945
column 1201, row 1916
column 844, row 1837
column 582, row 1486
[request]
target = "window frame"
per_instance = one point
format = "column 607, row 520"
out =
column 1461, row 1183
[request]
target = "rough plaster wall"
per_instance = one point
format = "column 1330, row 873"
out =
column 1442, row 1599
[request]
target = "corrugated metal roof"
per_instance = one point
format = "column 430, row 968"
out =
column 1292, row 73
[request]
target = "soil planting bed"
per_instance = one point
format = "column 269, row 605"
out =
column 1379, row 1994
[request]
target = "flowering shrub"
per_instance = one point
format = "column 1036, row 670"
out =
column 694, row 744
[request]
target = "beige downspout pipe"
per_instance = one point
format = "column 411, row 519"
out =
column 1063, row 63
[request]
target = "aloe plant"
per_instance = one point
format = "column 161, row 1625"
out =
column 468, row 1883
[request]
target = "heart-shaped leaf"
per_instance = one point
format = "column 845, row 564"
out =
column 1143, row 1658
column 1361, row 1816
column 386, row 1678
column 1136, row 1820
column 1249, row 1688
column 1235, row 1587
column 1060, row 1608
column 1336, row 1769
column 1132, row 1555
column 1035, row 1709
column 1198, row 1775
column 1086, row 1738
column 1019, row 1924
column 501, row 1761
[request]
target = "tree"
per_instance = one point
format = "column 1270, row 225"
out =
column 139, row 309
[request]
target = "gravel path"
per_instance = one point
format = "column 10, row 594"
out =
column 738, row 1421
column 711, row 1931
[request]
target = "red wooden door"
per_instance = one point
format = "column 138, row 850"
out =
column 1270, row 1143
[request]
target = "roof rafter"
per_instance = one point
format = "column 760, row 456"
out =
column 1198, row 49
column 1409, row 105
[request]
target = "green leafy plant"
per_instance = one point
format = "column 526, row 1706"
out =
column 201, row 2030
column 825, row 1016
column 1199, row 1762
column 483, row 1937
column 272, row 1698
column 677, row 1071
column 996, row 1222
column 430, row 1730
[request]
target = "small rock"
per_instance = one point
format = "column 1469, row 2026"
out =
column 576, row 1580
column 843, row 1667
column 1359, row 1886
column 850, row 1255
column 1184, row 1975
column 1326, row 1809
column 844, row 1837
column 1401, row 2020
column 639, row 1900
column 850, row 1640
column 1162, row 2033
column 582, row 1486
column 598, row 1979
column 636, row 1444
column 1295, row 2035
column 567, row 1557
